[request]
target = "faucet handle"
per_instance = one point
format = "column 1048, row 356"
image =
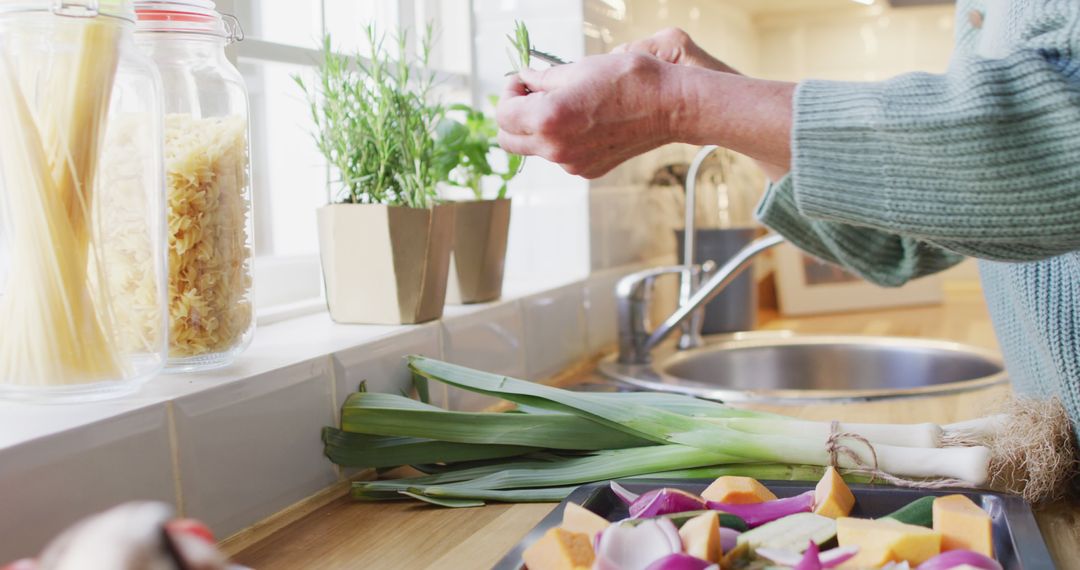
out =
column 633, row 296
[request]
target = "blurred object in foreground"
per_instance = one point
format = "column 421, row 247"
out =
column 132, row 536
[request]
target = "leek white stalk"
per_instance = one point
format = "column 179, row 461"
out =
column 903, row 435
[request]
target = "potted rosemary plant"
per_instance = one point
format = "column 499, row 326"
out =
column 385, row 245
column 482, row 224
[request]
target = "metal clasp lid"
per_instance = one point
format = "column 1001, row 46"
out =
column 234, row 32
column 75, row 8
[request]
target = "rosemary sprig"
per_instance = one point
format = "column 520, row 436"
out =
column 374, row 122
column 522, row 47
column 547, row 57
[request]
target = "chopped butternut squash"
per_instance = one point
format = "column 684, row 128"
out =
column 882, row 541
column 579, row 519
column 737, row 490
column 963, row 525
column 701, row 536
column 560, row 549
column 832, row 497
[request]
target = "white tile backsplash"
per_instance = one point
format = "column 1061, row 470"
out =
column 49, row 483
column 601, row 332
column 248, row 449
column 554, row 330
column 488, row 337
column 382, row 365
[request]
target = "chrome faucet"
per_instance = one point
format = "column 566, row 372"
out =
column 698, row 284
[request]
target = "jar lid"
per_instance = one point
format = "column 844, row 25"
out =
column 186, row 17
column 72, row 8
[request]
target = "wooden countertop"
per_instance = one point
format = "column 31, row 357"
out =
column 408, row 535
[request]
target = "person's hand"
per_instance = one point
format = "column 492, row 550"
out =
column 588, row 116
column 673, row 45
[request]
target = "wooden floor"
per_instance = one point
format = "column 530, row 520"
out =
column 404, row 535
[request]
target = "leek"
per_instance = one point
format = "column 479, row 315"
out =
column 390, row 415
column 968, row 464
column 360, row 450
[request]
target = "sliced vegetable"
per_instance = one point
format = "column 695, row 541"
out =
column 790, row 533
column 729, row 539
column 918, row 512
column 810, row 560
column 832, row 497
column 761, row 513
column 727, row 520
column 559, row 549
column 679, row 562
column 828, row 559
column 665, row 501
column 701, row 537
column 635, row 547
column 623, row 493
column 955, row 558
column 963, row 525
column 882, row 541
column 579, row 519
column 737, row 491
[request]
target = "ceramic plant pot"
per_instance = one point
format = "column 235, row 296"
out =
column 385, row 264
column 481, row 229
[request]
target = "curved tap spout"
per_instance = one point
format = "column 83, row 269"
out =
column 635, row 340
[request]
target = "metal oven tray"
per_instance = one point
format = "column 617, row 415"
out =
column 1018, row 543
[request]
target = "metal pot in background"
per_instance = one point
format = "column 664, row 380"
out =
column 735, row 309
column 725, row 187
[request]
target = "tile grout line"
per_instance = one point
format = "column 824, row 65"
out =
column 174, row 445
column 335, row 412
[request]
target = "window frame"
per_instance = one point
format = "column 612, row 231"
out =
column 291, row 286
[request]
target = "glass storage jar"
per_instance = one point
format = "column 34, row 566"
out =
column 208, row 180
column 82, row 212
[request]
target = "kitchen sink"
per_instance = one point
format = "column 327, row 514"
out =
column 787, row 368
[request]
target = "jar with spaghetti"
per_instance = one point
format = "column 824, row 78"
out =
column 208, row 180
column 82, row 225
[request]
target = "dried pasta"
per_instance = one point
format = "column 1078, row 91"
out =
column 210, row 307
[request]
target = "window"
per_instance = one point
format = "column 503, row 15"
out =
column 290, row 178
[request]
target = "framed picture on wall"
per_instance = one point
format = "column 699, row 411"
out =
column 806, row 286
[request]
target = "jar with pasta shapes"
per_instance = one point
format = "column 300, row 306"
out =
column 208, row 180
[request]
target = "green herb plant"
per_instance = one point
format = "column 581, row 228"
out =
column 375, row 124
column 465, row 150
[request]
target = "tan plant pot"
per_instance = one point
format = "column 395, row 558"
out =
column 481, row 229
column 385, row 264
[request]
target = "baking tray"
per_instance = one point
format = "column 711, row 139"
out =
column 1018, row 544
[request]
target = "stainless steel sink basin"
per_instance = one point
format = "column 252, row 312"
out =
column 781, row 367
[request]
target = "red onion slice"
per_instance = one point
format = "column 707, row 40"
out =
column 729, row 538
column 954, row 558
column 828, row 559
column 623, row 493
column 679, row 562
column 665, row 501
column 757, row 514
column 635, row 547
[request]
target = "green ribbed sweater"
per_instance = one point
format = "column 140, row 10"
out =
column 901, row 178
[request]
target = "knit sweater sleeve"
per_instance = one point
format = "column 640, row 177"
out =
column 983, row 160
column 880, row 257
